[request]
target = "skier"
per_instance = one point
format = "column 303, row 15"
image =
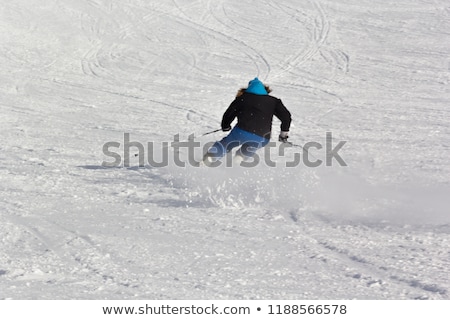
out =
column 254, row 109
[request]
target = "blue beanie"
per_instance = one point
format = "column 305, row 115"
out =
column 256, row 87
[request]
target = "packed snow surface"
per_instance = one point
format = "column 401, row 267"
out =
column 77, row 75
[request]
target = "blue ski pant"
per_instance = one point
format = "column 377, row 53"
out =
column 248, row 141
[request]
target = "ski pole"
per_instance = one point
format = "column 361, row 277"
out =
column 210, row 132
column 303, row 149
column 294, row 145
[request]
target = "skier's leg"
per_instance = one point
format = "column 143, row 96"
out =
column 220, row 148
column 248, row 149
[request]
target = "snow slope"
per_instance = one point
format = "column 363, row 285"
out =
column 78, row 74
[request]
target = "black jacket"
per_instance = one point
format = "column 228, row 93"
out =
column 255, row 113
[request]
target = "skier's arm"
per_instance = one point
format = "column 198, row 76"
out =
column 229, row 115
column 284, row 115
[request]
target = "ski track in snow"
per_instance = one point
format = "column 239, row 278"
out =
column 80, row 74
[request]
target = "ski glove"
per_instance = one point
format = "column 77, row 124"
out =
column 283, row 136
column 226, row 129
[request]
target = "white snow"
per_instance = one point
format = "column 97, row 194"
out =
column 78, row 74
